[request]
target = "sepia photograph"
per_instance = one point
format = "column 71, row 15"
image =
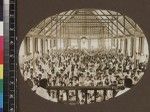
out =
column 83, row 56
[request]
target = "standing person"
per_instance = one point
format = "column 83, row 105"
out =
column 137, row 59
column 41, row 90
column 128, row 83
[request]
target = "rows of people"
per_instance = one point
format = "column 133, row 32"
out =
column 76, row 68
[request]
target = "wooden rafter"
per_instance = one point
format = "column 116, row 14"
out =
column 120, row 22
column 61, row 21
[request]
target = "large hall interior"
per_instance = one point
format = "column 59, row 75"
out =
column 84, row 56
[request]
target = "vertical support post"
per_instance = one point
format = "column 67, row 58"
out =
column 77, row 96
column 67, row 93
column 58, row 95
column 104, row 93
column 89, row 43
column 95, row 95
column 86, row 96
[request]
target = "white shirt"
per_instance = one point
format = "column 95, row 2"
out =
column 122, row 91
column 43, row 93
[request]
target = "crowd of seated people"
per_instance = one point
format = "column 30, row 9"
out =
column 75, row 68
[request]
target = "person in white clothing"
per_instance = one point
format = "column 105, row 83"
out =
column 41, row 90
column 128, row 84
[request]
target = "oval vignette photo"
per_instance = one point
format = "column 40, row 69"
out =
column 83, row 56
